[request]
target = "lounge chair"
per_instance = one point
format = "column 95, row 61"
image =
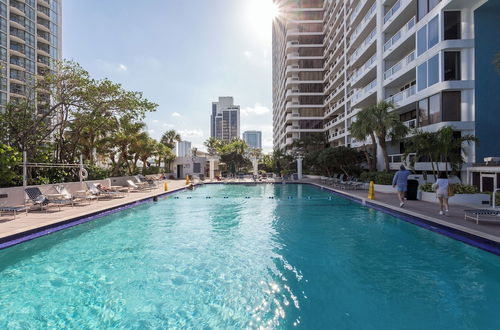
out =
column 493, row 214
column 37, row 198
column 134, row 187
column 13, row 209
column 98, row 191
column 141, row 180
column 76, row 197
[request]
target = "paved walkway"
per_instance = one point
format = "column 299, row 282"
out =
column 36, row 219
column 430, row 211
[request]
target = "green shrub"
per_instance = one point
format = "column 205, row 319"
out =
column 458, row 188
column 377, row 177
column 150, row 170
column 96, row 172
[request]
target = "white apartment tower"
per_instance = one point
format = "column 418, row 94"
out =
column 30, row 39
column 225, row 119
column 331, row 58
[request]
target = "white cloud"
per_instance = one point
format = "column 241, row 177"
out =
column 110, row 67
column 176, row 114
column 248, row 54
column 188, row 133
column 257, row 110
column 122, row 67
column 167, row 125
column 155, row 121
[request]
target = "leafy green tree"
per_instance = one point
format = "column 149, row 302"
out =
column 385, row 124
column 361, row 130
column 234, row 154
column 9, row 159
column 169, row 138
column 340, row 159
column 214, row 145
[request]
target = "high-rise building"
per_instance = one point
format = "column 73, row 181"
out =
column 183, row 149
column 431, row 58
column 253, row 139
column 30, row 39
column 225, row 119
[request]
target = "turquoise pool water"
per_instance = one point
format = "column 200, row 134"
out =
column 191, row 262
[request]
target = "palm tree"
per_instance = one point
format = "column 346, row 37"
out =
column 385, row 124
column 214, row 145
column 361, row 130
column 423, row 144
column 169, row 138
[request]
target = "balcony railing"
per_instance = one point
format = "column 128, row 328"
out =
column 357, row 10
column 399, row 158
column 358, row 73
column 398, row 98
column 394, row 9
column 400, row 65
column 400, row 34
column 363, row 46
column 363, row 23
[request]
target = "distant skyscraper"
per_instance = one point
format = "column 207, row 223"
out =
column 253, row 139
column 183, row 148
column 30, row 41
column 225, row 119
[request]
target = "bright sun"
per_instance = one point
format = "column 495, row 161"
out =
column 261, row 14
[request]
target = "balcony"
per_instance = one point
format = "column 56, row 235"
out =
column 402, row 97
column 363, row 47
column 356, row 11
column 404, row 63
column 400, row 35
column 364, row 22
column 410, row 123
column 365, row 92
column 394, row 9
column 363, row 69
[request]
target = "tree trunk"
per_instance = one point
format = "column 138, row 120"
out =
column 383, row 146
column 374, row 147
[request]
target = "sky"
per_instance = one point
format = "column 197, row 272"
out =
column 182, row 54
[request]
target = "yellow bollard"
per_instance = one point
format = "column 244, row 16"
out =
column 371, row 191
column 165, row 186
column 187, row 180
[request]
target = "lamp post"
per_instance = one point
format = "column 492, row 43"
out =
column 299, row 159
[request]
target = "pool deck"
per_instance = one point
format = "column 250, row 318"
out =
column 427, row 211
column 24, row 225
column 35, row 219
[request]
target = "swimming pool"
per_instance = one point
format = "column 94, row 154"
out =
column 275, row 256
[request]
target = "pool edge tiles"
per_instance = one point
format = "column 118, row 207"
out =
column 419, row 220
column 28, row 235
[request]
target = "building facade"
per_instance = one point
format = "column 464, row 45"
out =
column 30, row 39
column 225, row 119
column 183, row 149
column 253, row 139
column 332, row 58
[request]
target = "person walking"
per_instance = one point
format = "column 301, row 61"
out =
column 441, row 186
column 400, row 182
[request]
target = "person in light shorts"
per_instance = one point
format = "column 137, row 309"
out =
column 400, row 182
column 441, row 187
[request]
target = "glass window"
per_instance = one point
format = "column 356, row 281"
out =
column 451, row 25
column 433, row 32
column 423, row 9
column 451, row 66
column 433, row 70
column 452, row 106
column 422, row 76
column 435, row 109
column 433, row 3
column 422, row 40
column 423, row 113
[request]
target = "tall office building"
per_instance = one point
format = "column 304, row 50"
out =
column 30, row 38
column 431, row 58
column 225, row 119
column 253, row 139
column 183, row 149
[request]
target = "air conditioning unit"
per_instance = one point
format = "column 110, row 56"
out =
column 491, row 160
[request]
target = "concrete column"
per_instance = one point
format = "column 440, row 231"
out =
column 212, row 169
column 255, row 165
column 380, row 68
column 299, row 167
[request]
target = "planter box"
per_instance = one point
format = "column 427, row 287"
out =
column 463, row 199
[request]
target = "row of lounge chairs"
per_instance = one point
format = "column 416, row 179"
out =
column 60, row 196
column 341, row 181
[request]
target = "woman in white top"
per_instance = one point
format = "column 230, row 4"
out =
column 441, row 187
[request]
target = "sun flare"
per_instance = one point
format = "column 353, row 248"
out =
column 261, row 14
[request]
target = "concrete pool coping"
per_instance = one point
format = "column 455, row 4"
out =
column 479, row 239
